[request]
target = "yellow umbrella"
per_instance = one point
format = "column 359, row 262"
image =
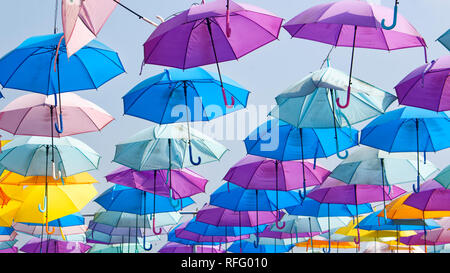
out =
column 10, row 178
column 397, row 210
column 62, row 201
column 8, row 211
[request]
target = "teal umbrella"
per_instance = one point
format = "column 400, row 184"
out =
column 123, row 219
column 444, row 39
column 444, row 177
column 167, row 147
column 311, row 102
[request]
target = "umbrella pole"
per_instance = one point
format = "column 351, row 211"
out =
column 302, row 196
column 240, row 233
column 256, row 242
column 154, row 208
column 416, row 190
column 310, row 234
column 188, row 117
column 277, row 223
column 382, row 180
column 357, row 241
column 350, row 76
column 335, row 128
column 138, row 15
column 145, row 220
column 208, row 22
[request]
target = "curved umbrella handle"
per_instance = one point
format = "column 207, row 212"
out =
column 172, row 203
column 225, row 99
column 416, row 190
column 324, row 250
column 277, row 223
column 42, row 210
column 54, row 172
column 144, row 245
column 357, row 241
column 191, row 159
column 46, row 228
column 256, row 242
column 62, row 233
column 154, row 228
column 394, row 19
column 57, row 128
column 348, row 99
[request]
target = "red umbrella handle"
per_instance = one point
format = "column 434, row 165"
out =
column 225, row 99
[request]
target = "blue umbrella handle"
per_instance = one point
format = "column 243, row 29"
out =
column 59, row 130
column 191, row 159
column 145, row 247
column 394, row 20
column 342, row 156
column 173, row 202
column 42, row 210
column 416, row 190
column 256, row 242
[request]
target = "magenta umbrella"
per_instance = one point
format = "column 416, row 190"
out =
column 351, row 23
column 438, row 236
column 54, row 246
column 219, row 216
column 209, row 33
column 172, row 247
column 333, row 191
column 427, row 86
column 33, row 115
column 183, row 182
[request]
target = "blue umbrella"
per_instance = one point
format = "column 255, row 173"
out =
column 211, row 230
column 279, row 140
column 40, row 65
column 409, row 129
column 248, row 247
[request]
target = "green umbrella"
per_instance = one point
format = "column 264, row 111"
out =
column 444, row 177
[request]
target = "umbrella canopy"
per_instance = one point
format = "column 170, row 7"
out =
column 10, row 250
column 355, row 24
column 444, row 177
column 34, row 115
column 311, row 207
column 35, row 245
column 10, row 178
column 30, row 155
column 249, row 247
column 418, row 240
column 427, row 86
column 374, row 222
column 31, row 66
column 75, row 219
column 8, row 212
column 184, row 183
column 259, row 173
column 166, row 147
column 183, row 95
column 324, row 243
column 123, row 219
column 115, row 248
column 98, row 237
column 212, row 230
column 39, row 231
column 279, row 140
column 444, row 39
column 172, row 247
column 438, row 236
column 219, row 216
column 122, row 231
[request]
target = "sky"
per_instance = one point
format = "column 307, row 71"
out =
column 266, row 72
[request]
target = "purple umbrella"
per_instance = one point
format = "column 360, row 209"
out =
column 333, row 191
column 209, row 33
column 353, row 24
column 219, row 216
column 437, row 199
column 54, row 246
column 427, row 87
column 172, row 247
column 183, row 182
column 268, row 233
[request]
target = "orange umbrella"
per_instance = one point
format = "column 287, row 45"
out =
column 398, row 210
column 324, row 243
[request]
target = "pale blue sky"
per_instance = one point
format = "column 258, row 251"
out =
column 265, row 72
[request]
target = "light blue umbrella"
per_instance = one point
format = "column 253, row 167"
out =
column 444, row 39
column 123, row 219
column 313, row 208
column 444, row 177
column 409, row 129
column 270, row 246
column 35, row 156
column 167, row 147
column 115, row 248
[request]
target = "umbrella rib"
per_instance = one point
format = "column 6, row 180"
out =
column 287, row 137
column 17, row 68
column 87, row 71
column 21, row 120
column 31, row 159
column 187, row 45
column 225, row 36
column 167, row 102
column 429, row 136
column 120, row 67
column 203, row 106
column 442, row 93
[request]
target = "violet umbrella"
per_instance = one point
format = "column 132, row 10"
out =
column 427, row 86
column 209, row 33
column 184, row 182
column 333, row 191
column 54, row 246
column 351, row 23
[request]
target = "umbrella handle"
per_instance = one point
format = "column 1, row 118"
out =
column 62, row 233
column 57, row 128
column 145, row 247
column 302, row 196
column 357, row 241
column 172, row 203
column 191, row 159
column 416, row 190
column 394, row 19
column 225, row 99
column 256, row 242
column 54, row 172
column 277, row 223
column 154, row 228
column 46, row 227
column 42, row 210
column 348, row 99
column 324, row 250
column 228, row 30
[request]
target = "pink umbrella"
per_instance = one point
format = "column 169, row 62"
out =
column 351, row 23
column 427, row 87
column 209, row 33
column 83, row 19
column 438, row 236
column 61, row 231
column 54, row 246
column 33, row 115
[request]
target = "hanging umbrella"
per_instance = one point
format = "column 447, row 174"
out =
column 209, row 33
column 212, row 230
column 83, row 20
column 184, row 182
column 10, row 250
column 123, row 219
column 249, row 247
column 33, row 115
column 354, row 24
column 10, row 178
column 183, row 236
column 444, row 177
column 172, row 247
column 444, row 39
column 8, row 211
column 259, row 173
column 7, row 234
column 54, row 246
column 409, row 129
column 166, row 147
column 325, row 243
column 115, row 248
column 123, row 231
column 418, row 240
column 427, row 86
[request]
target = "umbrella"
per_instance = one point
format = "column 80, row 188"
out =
column 212, row 230
column 115, row 248
column 172, row 247
column 249, row 247
column 183, row 236
column 7, row 245
column 33, row 115
column 335, row 191
column 10, row 178
column 418, row 240
column 184, row 182
column 7, row 234
column 123, row 219
column 326, row 243
column 259, row 173
column 10, row 250
column 54, row 246
column 209, row 33
column 427, row 86
column 83, row 19
column 438, row 236
column 444, row 39
column 444, row 177
column 8, row 211
column 409, row 129
column 166, row 147
column 353, row 24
